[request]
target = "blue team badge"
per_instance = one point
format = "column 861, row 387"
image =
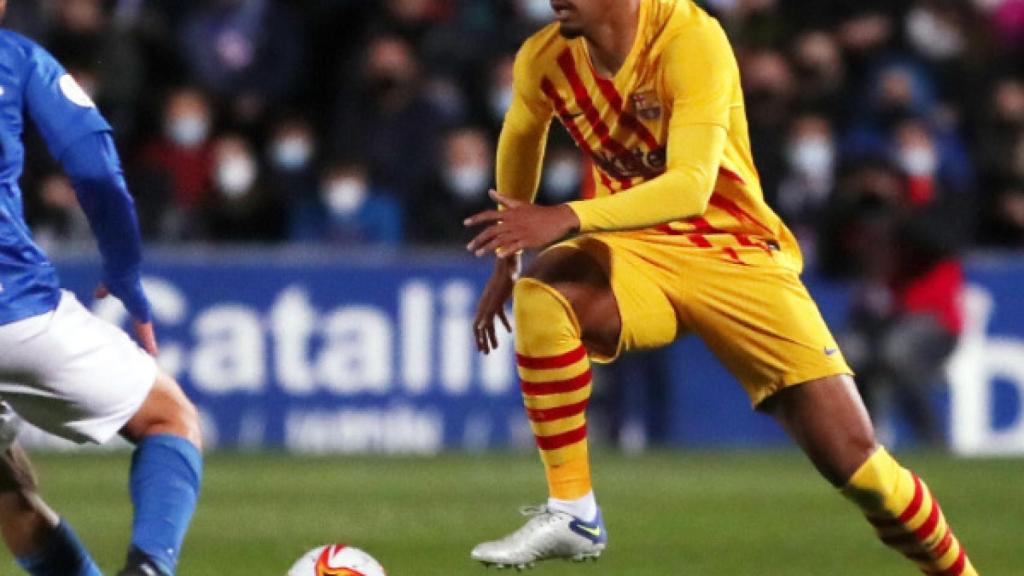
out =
column 646, row 105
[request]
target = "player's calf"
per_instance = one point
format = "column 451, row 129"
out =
column 42, row 543
column 165, row 478
column 827, row 418
column 907, row 516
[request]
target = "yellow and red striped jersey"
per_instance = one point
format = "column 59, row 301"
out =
column 680, row 75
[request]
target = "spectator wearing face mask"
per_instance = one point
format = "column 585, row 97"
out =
column 937, row 169
column 291, row 159
column 809, row 179
column 348, row 211
column 176, row 175
column 459, row 189
column 242, row 209
column 388, row 122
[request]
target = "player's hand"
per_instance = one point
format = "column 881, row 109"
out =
column 135, row 301
column 492, row 303
column 520, row 226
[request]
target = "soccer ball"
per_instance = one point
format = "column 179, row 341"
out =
column 336, row 560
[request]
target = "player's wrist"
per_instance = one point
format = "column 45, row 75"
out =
column 573, row 219
column 126, row 286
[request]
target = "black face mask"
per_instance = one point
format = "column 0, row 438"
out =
column 893, row 114
column 386, row 85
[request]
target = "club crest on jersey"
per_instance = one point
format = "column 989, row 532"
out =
column 646, row 105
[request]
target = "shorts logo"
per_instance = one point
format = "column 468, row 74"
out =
column 830, row 351
column 646, row 105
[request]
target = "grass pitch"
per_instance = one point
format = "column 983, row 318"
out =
column 668, row 514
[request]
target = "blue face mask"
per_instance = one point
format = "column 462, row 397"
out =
column 188, row 131
column 291, row 154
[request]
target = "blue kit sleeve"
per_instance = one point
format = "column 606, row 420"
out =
column 95, row 171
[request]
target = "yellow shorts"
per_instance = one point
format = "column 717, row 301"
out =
column 756, row 316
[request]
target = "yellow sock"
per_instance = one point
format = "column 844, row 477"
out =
column 556, row 382
column 906, row 516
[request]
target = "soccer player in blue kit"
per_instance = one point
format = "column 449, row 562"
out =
column 64, row 370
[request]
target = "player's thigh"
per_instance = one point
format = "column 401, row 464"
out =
column 761, row 322
column 828, row 420
column 72, row 374
column 618, row 305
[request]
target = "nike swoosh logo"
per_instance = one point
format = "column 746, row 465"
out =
column 831, row 351
column 593, row 533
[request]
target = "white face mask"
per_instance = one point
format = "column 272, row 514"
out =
column 345, row 196
column 188, row 131
column 292, row 153
column 468, row 182
column 500, row 101
column 536, row 10
column 235, row 176
column 813, row 157
column 919, row 161
column 933, row 36
column 562, row 180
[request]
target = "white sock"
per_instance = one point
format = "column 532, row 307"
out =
column 584, row 508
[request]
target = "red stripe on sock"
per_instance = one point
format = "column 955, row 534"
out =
column 944, row 544
column 562, row 440
column 929, row 525
column 552, row 362
column 549, row 414
column 915, row 503
column 955, row 569
column 958, row 567
column 557, row 386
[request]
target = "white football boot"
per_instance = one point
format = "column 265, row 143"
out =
column 548, row 534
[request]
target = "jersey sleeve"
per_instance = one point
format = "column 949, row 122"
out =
column 702, row 83
column 701, row 77
column 524, row 133
column 59, row 107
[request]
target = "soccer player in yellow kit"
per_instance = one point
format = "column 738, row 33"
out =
column 678, row 239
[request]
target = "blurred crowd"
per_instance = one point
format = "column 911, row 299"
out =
column 374, row 121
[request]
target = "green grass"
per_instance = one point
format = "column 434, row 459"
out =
column 668, row 514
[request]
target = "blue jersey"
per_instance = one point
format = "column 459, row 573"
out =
column 32, row 81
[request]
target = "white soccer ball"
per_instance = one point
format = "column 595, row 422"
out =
column 336, row 560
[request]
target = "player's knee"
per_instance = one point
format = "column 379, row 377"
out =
column 542, row 314
column 166, row 411
column 186, row 417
